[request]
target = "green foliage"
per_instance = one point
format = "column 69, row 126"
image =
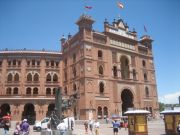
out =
column 161, row 106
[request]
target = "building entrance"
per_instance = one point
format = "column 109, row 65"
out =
column 4, row 110
column 29, row 113
column 127, row 100
column 50, row 109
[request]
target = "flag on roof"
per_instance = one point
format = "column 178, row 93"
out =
column 120, row 5
column 88, row 7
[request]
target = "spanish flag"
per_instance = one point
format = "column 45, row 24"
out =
column 120, row 5
column 88, row 7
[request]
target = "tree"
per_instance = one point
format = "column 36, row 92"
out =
column 161, row 106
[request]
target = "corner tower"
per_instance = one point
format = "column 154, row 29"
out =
column 85, row 23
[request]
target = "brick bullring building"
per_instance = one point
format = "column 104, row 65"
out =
column 111, row 71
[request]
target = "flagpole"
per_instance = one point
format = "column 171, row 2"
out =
column 121, row 6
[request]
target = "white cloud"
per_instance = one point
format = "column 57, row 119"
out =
column 171, row 98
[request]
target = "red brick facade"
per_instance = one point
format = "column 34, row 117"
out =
column 111, row 71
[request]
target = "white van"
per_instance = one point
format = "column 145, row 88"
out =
column 42, row 125
column 39, row 125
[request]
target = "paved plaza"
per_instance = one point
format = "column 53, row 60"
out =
column 155, row 127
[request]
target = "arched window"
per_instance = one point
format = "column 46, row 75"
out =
column 57, row 64
column 115, row 71
column 14, row 62
column 28, row 91
column 15, row 91
column 124, row 67
column 100, row 54
column 33, row 62
column 134, row 74
column 36, row 77
column 105, row 110
column 54, row 91
column 48, row 91
column 35, row 91
column 143, row 63
column 145, row 77
column 101, row 87
column 101, row 70
column 147, row 92
column 52, row 63
column 55, row 78
column 99, row 112
column 29, row 77
column 8, row 91
column 16, row 77
column 9, row 79
column 48, row 78
column 74, row 87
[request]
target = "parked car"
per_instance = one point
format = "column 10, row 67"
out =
column 42, row 125
column 39, row 125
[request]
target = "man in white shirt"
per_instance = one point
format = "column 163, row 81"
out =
column 62, row 127
column 96, row 125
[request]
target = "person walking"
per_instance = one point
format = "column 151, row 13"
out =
column 17, row 129
column 96, row 126
column 25, row 127
column 86, row 126
column 115, row 127
column 72, row 125
column 62, row 127
column 91, row 126
column 6, row 126
column 125, row 124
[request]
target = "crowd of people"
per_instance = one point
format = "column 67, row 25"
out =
column 93, row 126
column 21, row 128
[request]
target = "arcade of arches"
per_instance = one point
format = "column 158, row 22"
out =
column 29, row 110
column 39, row 109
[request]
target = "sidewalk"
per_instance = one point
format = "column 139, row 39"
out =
column 155, row 127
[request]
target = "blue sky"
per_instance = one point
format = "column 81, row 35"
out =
column 38, row 24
